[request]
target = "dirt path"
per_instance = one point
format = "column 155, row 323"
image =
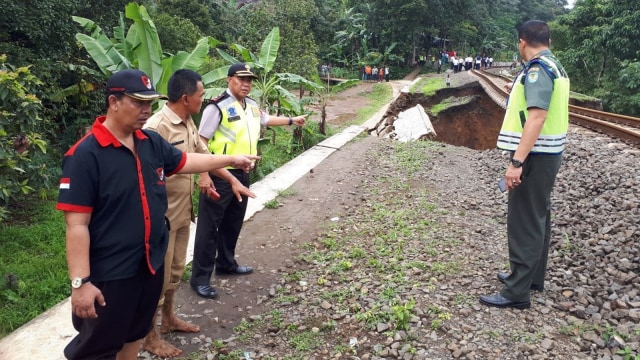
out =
column 344, row 106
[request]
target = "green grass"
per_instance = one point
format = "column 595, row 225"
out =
column 428, row 85
column 287, row 192
column 412, row 155
column 579, row 96
column 305, row 341
column 381, row 94
column 418, row 85
column 449, row 102
column 272, row 204
column 32, row 263
column 432, row 85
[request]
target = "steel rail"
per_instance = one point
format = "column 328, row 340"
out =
column 620, row 126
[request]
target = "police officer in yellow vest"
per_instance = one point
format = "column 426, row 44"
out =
column 534, row 130
column 230, row 124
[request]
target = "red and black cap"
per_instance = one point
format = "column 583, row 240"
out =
column 133, row 83
column 241, row 70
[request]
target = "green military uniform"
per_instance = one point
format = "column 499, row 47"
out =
column 543, row 84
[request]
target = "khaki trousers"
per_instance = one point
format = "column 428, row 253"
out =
column 175, row 258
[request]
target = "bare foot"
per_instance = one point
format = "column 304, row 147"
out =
column 159, row 347
column 175, row 324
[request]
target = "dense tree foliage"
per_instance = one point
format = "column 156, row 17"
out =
column 598, row 41
column 297, row 53
column 600, row 45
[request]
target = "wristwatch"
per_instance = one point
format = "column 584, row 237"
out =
column 516, row 163
column 77, row 282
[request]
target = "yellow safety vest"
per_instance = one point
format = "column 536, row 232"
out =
column 239, row 129
column 553, row 135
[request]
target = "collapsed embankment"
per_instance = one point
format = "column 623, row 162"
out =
column 466, row 116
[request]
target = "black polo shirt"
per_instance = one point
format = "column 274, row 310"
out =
column 125, row 195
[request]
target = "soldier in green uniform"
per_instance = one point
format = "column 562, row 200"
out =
column 534, row 130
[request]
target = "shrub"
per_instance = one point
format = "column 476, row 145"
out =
column 22, row 146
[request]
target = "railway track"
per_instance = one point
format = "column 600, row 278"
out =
column 620, row 126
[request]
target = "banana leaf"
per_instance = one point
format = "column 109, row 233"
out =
column 104, row 53
column 269, row 50
column 215, row 75
column 123, row 46
column 225, row 55
column 192, row 60
column 88, row 25
column 247, row 56
column 146, row 44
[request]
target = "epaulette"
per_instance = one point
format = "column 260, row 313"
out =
column 218, row 98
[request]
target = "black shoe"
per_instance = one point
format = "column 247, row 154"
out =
column 502, row 277
column 240, row 270
column 500, row 301
column 205, row 291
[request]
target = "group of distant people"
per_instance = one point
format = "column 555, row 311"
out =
column 479, row 62
column 374, row 73
column 325, row 69
column 455, row 62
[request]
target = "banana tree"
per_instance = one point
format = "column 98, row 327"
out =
column 269, row 88
column 140, row 48
column 386, row 57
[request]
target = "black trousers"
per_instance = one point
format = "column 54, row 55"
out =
column 218, row 229
column 529, row 225
column 127, row 316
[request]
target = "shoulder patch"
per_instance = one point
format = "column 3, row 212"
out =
column 218, row 98
column 532, row 76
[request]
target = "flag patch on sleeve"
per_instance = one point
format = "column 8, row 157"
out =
column 65, row 183
column 532, row 76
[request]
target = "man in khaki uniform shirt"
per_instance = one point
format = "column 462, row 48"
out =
column 174, row 124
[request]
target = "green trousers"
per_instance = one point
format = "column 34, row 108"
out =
column 529, row 225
